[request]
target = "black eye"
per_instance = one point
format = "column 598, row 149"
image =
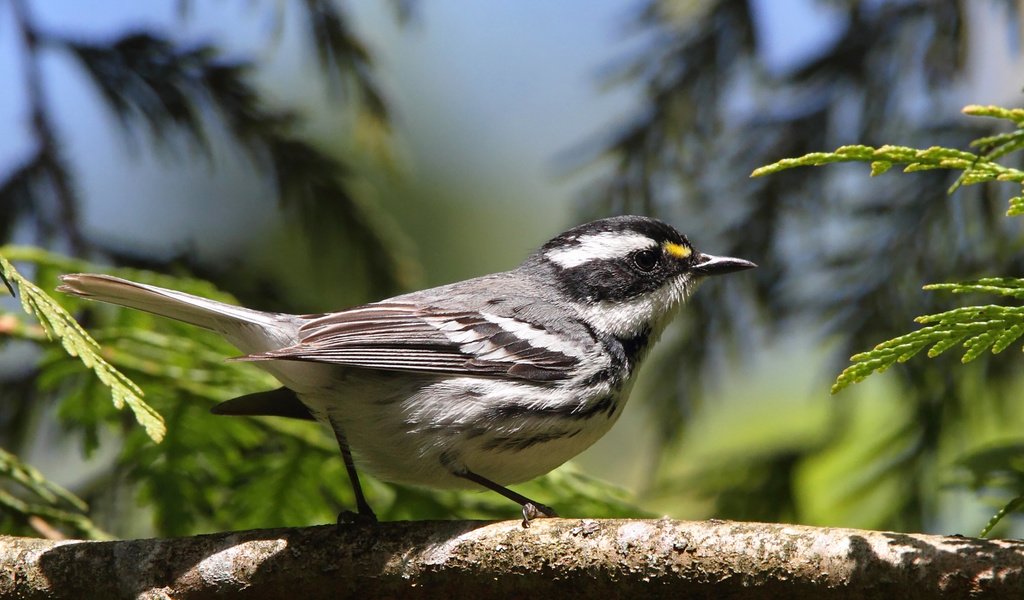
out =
column 646, row 260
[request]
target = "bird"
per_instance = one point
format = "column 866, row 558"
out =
column 482, row 383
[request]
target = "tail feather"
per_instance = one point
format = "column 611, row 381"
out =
column 250, row 330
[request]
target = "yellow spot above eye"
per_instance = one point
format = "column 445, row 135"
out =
column 677, row 250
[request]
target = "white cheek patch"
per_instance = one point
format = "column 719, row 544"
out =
column 600, row 246
column 629, row 318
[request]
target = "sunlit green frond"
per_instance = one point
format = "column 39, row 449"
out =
column 975, row 168
column 57, row 323
column 1016, row 207
column 1016, row 115
column 976, row 328
column 1003, row 286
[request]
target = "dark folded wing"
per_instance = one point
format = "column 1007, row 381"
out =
column 404, row 337
column 281, row 402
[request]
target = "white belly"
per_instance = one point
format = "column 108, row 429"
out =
column 419, row 430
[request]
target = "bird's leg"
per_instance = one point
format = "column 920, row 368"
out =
column 365, row 513
column 531, row 509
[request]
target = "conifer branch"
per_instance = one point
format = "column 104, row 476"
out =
column 975, row 167
column 976, row 328
column 51, row 500
column 57, row 323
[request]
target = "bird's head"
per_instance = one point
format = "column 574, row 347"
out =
column 628, row 273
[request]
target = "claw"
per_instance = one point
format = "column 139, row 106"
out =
column 533, row 510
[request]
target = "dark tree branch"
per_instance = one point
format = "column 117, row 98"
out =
column 51, row 165
column 187, row 93
column 149, row 81
column 343, row 56
column 554, row 558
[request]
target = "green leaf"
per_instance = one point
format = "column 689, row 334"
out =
column 1009, row 507
column 1016, row 115
column 879, row 167
column 942, row 345
column 1003, row 286
column 46, row 499
column 1007, row 337
column 1016, row 207
column 57, row 323
column 976, row 168
column 978, row 328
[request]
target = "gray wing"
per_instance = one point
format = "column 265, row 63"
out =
column 403, row 336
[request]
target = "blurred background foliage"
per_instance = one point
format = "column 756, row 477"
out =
column 311, row 155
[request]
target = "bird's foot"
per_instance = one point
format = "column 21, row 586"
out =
column 534, row 510
column 348, row 517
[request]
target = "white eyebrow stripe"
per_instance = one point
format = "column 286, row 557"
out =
column 599, row 246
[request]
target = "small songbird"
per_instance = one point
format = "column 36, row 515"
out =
column 485, row 382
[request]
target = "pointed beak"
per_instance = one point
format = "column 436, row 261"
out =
column 707, row 264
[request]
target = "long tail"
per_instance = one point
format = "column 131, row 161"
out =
column 249, row 330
